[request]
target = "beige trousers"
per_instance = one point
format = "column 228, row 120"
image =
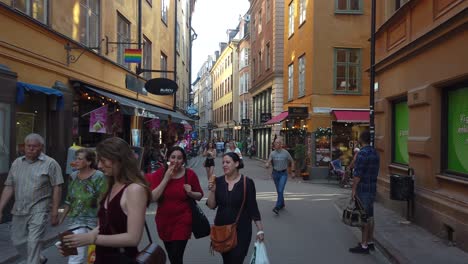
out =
column 27, row 232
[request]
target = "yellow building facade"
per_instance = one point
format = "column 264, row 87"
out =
column 59, row 61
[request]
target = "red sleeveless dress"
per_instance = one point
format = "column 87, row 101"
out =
column 113, row 221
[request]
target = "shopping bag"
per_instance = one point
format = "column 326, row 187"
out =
column 91, row 254
column 259, row 255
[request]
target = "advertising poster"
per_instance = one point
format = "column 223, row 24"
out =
column 136, row 137
column 457, row 136
column 401, row 133
column 98, row 120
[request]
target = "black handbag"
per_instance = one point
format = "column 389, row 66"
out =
column 200, row 224
column 354, row 214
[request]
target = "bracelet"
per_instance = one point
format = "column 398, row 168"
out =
column 95, row 238
column 260, row 232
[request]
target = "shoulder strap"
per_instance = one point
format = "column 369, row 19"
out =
column 243, row 200
column 185, row 175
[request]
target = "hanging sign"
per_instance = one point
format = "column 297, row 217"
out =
column 132, row 55
column 161, row 86
column 98, row 120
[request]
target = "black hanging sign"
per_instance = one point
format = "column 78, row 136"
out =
column 265, row 117
column 161, row 86
column 298, row 112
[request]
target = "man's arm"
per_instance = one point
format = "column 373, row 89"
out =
column 56, row 195
column 356, row 180
column 7, row 193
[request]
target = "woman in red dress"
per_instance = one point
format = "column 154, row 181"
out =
column 174, row 215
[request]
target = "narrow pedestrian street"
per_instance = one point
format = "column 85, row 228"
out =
column 308, row 230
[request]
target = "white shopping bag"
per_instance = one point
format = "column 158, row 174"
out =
column 259, row 255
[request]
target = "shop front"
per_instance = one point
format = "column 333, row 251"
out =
column 345, row 130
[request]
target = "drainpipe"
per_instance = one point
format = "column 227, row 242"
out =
column 175, row 50
column 372, row 75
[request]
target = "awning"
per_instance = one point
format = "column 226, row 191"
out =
column 278, row 118
column 351, row 116
column 134, row 107
column 187, row 126
column 22, row 87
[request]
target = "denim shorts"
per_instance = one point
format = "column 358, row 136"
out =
column 367, row 201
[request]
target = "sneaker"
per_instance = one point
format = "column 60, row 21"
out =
column 370, row 246
column 359, row 250
column 282, row 207
column 276, row 210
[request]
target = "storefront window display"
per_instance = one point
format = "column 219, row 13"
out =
column 457, row 132
column 322, row 146
column 344, row 139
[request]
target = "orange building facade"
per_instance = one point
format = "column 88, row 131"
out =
column 326, row 56
column 421, row 110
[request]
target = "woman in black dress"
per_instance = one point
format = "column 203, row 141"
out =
column 210, row 154
column 226, row 193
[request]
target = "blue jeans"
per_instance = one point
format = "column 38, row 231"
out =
column 280, row 179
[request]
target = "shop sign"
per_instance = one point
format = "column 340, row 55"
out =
column 457, row 131
column 401, row 133
column 264, row 117
column 98, row 120
column 298, row 112
column 161, row 86
column 245, row 122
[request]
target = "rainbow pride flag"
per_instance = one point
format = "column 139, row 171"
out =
column 132, row 55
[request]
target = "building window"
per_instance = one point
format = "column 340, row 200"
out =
column 89, row 23
column 347, row 70
column 164, row 10
column 147, row 57
column 290, row 82
column 455, row 131
column 302, row 11
column 259, row 62
column 291, row 18
column 348, row 6
column 268, row 10
column 163, row 65
column 37, row 9
column 254, row 70
column 177, row 37
column 268, row 55
column 302, row 69
column 400, row 132
column 259, row 21
column 123, row 35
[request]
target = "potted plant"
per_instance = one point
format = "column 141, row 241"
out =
column 300, row 157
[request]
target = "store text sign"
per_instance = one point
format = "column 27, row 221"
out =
column 161, row 86
column 264, row 117
column 298, row 112
column 457, row 131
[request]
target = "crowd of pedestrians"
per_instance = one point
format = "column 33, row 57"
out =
column 108, row 195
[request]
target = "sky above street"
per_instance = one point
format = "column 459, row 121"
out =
column 211, row 20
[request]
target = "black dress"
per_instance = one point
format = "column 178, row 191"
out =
column 229, row 203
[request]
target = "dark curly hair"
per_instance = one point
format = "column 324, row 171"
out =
column 235, row 158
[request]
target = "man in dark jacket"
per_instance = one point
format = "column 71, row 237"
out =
column 366, row 171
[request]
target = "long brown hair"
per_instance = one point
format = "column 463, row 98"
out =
column 118, row 151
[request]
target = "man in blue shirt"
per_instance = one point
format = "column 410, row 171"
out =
column 366, row 171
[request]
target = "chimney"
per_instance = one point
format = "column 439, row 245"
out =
column 216, row 55
column 222, row 46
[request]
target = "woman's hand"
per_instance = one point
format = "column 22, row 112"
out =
column 187, row 188
column 212, row 183
column 260, row 236
column 169, row 171
column 79, row 240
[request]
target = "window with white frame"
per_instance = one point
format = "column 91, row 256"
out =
column 348, row 6
column 290, row 81
column 123, row 35
column 291, row 18
column 259, row 21
column 347, row 70
column 89, row 23
column 37, row 9
column 177, row 37
column 302, row 75
column 302, row 11
column 147, row 57
column 163, row 65
column 267, row 57
column 268, row 10
column 164, row 10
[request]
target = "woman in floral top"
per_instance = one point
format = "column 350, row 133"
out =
column 81, row 205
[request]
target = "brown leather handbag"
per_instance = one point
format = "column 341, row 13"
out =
column 151, row 254
column 224, row 238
